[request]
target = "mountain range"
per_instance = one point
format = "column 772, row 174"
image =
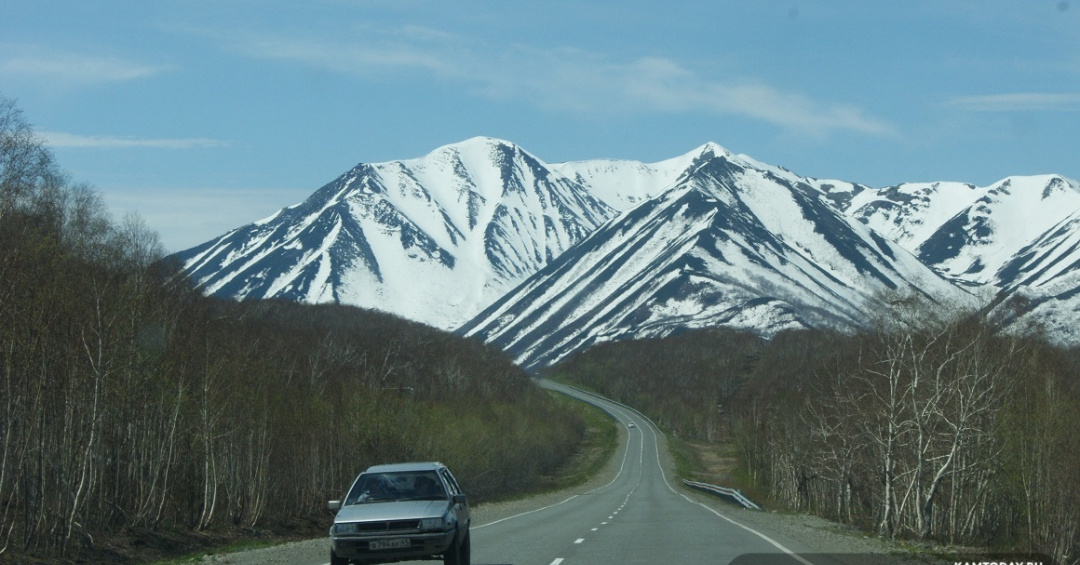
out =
column 484, row 238
column 433, row 239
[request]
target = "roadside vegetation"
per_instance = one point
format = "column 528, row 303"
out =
column 942, row 429
column 597, row 447
column 138, row 418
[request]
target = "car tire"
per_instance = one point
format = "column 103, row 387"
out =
column 335, row 560
column 459, row 553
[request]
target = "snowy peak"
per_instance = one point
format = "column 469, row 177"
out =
column 964, row 231
column 1009, row 215
column 623, row 184
column 1041, row 285
column 545, row 259
column 434, row 239
column 710, row 150
column 730, row 245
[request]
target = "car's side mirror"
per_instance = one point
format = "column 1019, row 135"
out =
column 333, row 505
column 460, row 499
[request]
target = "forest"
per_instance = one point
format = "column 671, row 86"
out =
column 930, row 427
column 131, row 403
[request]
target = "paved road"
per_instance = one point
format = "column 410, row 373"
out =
column 639, row 517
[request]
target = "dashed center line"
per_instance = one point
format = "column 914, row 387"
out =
column 557, row 561
column 579, row 540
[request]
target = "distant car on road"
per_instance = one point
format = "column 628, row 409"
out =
column 401, row 512
column 631, row 425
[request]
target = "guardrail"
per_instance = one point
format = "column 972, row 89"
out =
column 730, row 494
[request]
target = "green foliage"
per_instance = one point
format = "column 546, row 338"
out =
column 129, row 401
column 599, row 445
column 683, row 382
column 943, row 429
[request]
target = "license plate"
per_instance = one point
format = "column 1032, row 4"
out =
column 390, row 544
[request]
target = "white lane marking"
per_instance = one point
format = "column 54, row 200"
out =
column 603, row 523
column 595, row 529
column 524, row 513
column 656, row 445
column 753, row 531
column 579, row 540
column 622, row 466
column 556, row 562
column 626, row 452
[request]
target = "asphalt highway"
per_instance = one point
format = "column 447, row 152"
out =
column 640, row 517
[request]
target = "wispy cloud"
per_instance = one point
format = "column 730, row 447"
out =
column 68, row 140
column 566, row 79
column 665, row 85
column 1019, row 102
column 350, row 59
column 377, row 51
column 73, row 68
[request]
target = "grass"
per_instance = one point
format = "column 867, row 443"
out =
column 233, row 542
column 595, row 450
column 601, row 440
column 236, row 546
column 686, row 457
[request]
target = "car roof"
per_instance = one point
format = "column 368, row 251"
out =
column 405, row 467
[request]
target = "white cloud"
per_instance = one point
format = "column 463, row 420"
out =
column 667, row 86
column 566, row 79
column 348, row 59
column 373, row 51
column 1019, row 102
column 68, row 140
column 74, row 68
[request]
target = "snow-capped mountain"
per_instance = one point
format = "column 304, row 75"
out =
column 624, row 184
column 732, row 243
column 968, row 233
column 483, row 237
column 1040, row 285
column 433, row 239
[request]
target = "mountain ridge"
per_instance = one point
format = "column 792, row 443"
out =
column 445, row 237
column 721, row 247
column 479, row 215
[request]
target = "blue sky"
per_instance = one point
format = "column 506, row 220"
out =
column 206, row 115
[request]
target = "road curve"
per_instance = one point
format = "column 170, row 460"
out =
column 640, row 516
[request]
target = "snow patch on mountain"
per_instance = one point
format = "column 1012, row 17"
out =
column 969, row 233
column 730, row 245
column 433, row 239
column 547, row 259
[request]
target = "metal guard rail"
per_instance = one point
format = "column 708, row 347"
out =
column 730, row 494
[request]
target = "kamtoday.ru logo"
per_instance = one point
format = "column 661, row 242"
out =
column 894, row 559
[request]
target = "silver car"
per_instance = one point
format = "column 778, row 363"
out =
column 401, row 512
